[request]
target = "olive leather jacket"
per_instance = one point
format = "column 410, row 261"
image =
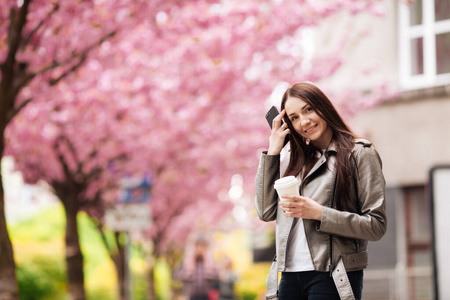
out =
column 341, row 234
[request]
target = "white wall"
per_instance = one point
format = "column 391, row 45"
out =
column 370, row 55
column 411, row 136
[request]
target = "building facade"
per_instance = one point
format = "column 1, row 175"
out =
column 407, row 49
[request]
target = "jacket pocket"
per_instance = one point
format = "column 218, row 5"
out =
column 355, row 261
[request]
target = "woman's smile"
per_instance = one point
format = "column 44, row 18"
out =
column 311, row 129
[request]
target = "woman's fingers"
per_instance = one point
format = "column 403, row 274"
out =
column 276, row 123
column 301, row 207
column 278, row 135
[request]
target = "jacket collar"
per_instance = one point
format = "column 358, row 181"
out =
column 322, row 158
column 331, row 147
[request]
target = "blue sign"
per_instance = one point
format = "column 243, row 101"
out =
column 136, row 189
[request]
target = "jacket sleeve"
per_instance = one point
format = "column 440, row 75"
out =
column 370, row 223
column 266, row 199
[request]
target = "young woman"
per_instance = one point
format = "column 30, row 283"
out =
column 321, row 235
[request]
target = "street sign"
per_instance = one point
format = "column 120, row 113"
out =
column 135, row 189
column 132, row 212
column 440, row 212
column 128, row 217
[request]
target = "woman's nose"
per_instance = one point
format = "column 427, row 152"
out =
column 304, row 121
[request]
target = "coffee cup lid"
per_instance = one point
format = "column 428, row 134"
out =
column 285, row 181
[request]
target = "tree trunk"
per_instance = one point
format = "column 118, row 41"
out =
column 8, row 282
column 117, row 255
column 9, row 289
column 151, row 282
column 74, row 257
column 119, row 261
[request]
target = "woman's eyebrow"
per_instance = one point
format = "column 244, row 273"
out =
column 303, row 108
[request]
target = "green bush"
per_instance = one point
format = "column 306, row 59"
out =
column 41, row 278
column 249, row 296
column 40, row 263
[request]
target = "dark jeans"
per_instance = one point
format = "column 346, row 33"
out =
column 315, row 285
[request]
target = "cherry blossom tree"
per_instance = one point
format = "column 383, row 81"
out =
column 80, row 161
column 177, row 88
column 38, row 49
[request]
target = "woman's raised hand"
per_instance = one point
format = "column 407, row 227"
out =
column 279, row 133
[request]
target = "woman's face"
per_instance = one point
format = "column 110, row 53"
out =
column 308, row 123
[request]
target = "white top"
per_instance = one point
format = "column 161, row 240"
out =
column 298, row 256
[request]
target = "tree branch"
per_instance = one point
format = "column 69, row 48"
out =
column 14, row 80
column 93, row 174
column 80, row 62
column 15, row 32
column 12, row 113
column 62, row 160
column 16, row 25
column 94, row 201
column 96, row 171
column 26, row 40
column 72, row 151
column 82, row 57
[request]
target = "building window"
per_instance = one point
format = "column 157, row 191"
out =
column 424, row 43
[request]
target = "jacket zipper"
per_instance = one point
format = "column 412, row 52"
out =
column 331, row 236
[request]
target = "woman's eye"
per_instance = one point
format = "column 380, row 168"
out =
column 293, row 119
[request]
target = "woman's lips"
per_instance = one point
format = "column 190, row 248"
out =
column 311, row 129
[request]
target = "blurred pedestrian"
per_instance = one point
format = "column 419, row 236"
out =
column 322, row 234
column 198, row 271
column 227, row 280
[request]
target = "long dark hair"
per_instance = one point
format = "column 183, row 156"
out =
column 303, row 156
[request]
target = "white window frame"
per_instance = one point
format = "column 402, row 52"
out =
column 427, row 30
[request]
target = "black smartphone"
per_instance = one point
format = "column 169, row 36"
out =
column 270, row 115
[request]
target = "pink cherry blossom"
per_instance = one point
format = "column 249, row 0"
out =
column 174, row 88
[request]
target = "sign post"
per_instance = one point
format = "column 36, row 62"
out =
column 131, row 213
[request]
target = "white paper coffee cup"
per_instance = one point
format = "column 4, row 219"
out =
column 287, row 186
